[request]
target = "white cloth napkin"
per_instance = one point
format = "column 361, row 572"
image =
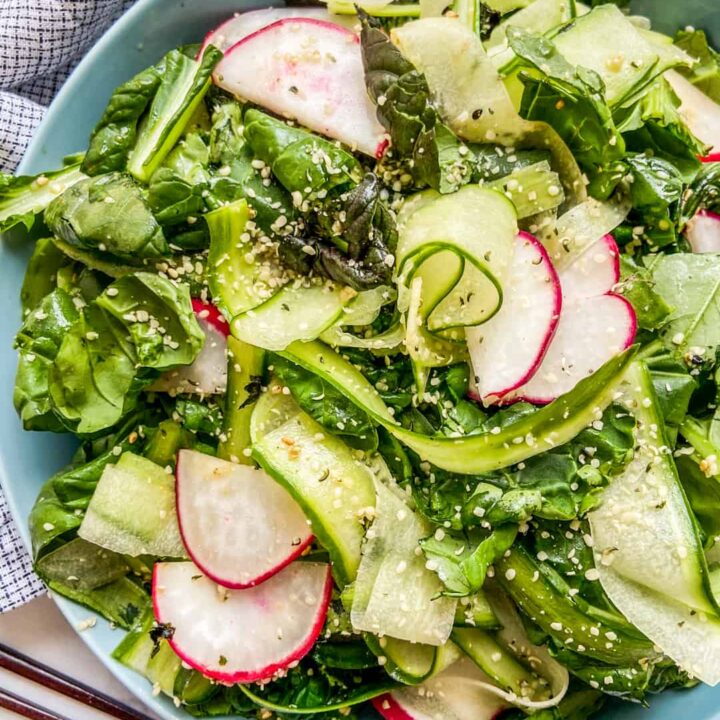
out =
column 40, row 43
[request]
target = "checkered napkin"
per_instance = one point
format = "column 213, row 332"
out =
column 40, row 42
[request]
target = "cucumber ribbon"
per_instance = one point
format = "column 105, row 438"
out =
column 550, row 426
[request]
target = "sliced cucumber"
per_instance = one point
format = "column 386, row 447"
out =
column 233, row 275
column 532, row 189
column 162, row 667
column 132, row 511
column 552, row 425
column 294, row 313
column 395, row 595
column 538, row 17
column 462, row 259
column 335, row 490
column 496, row 662
column 406, row 662
column 644, row 522
column 245, row 369
column 476, row 611
column 605, row 41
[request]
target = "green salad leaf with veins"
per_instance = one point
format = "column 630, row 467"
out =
column 384, row 396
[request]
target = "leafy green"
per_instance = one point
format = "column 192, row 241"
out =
column 41, row 274
column 115, row 134
column 572, row 100
column 703, row 493
column 636, row 285
column 238, row 178
column 557, row 484
column 140, row 321
column 690, row 283
column 704, row 193
column 326, row 405
column 121, row 602
column 50, row 520
column 183, row 85
column 109, row 214
column 435, row 156
column 462, row 562
column 298, row 158
column 655, row 192
column 22, row 197
column 38, row 342
column 177, row 189
column 359, row 221
column 705, row 74
column 549, row 605
column 81, row 565
column 654, row 126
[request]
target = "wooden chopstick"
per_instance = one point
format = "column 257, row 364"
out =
column 26, row 708
column 19, row 664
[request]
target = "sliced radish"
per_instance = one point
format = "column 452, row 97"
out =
column 506, row 351
column 703, row 232
column 242, row 24
column 700, row 113
column 241, row 636
column 207, row 374
column 238, row 525
column 455, row 694
column 595, row 325
column 309, row 70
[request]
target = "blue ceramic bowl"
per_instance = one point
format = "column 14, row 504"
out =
column 137, row 40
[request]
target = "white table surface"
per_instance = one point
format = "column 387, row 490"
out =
column 40, row 631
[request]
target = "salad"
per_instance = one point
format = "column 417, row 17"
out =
column 389, row 336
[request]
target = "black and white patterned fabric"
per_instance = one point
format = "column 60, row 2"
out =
column 40, row 43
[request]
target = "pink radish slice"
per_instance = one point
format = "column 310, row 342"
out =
column 243, row 24
column 241, row 636
column 309, row 70
column 506, row 351
column 210, row 315
column 207, row 374
column 595, row 324
column 703, row 232
column 454, row 694
column 238, row 525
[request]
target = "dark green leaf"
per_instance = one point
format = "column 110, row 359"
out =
column 333, row 410
column 114, row 136
column 80, row 565
column 434, row 155
column 462, row 561
column 109, row 214
column 299, row 159
column 38, row 342
column 94, row 380
column 705, row 74
column 572, row 100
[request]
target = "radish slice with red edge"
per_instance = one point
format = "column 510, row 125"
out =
column 454, row 694
column 241, row 636
column 309, row 70
column 242, row 24
column 506, row 351
column 703, row 232
column 207, row 374
column 595, row 324
column 238, row 525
